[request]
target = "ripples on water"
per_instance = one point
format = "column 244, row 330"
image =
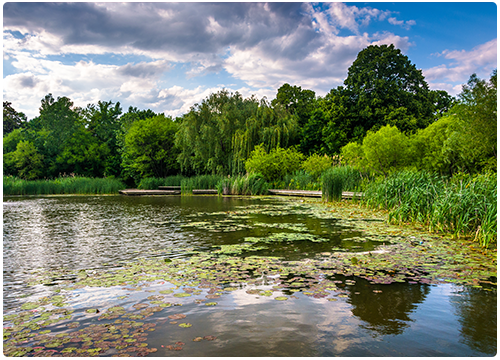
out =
column 96, row 232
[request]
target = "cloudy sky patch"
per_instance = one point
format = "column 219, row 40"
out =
column 169, row 56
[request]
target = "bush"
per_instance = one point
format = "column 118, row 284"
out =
column 275, row 164
column 316, row 164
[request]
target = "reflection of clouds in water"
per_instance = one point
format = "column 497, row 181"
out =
column 338, row 328
column 304, row 322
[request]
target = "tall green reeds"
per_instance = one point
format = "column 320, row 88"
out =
column 153, row 183
column 253, row 184
column 338, row 179
column 62, row 185
column 199, row 182
column 462, row 205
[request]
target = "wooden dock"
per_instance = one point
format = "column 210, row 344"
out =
column 137, row 192
column 312, row 193
column 205, row 191
column 171, row 190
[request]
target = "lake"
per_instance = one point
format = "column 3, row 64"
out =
column 236, row 276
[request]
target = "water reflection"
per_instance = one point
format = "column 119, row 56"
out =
column 97, row 232
column 386, row 312
column 477, row 315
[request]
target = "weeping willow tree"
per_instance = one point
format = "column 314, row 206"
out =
column 271, row 127
column 218, row 135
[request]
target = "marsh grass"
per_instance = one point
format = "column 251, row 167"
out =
column 61, row 185
column 338, row 179
column 153, row 183
column 252, row 184
column 463, row 205
column 200, row 182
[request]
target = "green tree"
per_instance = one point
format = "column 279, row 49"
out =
column 103, row 122
column 57, row 122
column 218, row 135
column 382, row 88
column 27, row 160
column 84, row 154
column 150, row 148
column 430, row 150
column 11, row 118
column 206, row 133
column 474, row 131
column 296, row 101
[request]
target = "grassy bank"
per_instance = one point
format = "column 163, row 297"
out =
column 463, row 205
column 62, row 185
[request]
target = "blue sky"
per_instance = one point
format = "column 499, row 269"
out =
column 169, row 56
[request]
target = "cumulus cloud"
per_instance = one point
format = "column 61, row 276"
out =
column 55, row 47
column 481, row 60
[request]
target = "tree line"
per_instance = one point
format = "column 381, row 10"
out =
column 383, row 118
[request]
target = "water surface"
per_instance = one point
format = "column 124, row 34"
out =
column 353, row 318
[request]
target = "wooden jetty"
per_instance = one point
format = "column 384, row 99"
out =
column 312, row 193
column 172, row 190
column 135, row 192
column 205, row 191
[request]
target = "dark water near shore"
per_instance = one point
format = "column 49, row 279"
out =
column 105, row 232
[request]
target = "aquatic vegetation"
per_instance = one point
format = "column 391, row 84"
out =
column 53, row 325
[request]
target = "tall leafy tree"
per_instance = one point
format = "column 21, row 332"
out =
column 55, row 126
column 150, row 149
column 102, row 121
column 474, row 131
column 382, row 88
column 297, row 101
column 11, row 118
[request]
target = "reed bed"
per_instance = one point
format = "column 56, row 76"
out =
column 252, row 184
column 463, row 205
column 61, row 185
column 153, row 183
column 200, row 182
column 338, row 179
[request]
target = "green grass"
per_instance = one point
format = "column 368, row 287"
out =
column 253, row 184
column 61, row 185
column 463, row 205
column 153, row 183
column 199, row 182
column 338, row 179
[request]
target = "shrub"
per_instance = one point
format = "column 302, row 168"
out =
column 275, row 164
column 316, row 164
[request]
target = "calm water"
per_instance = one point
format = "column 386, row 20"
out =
column 104, row 232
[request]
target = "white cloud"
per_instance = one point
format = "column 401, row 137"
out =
column 481, row 60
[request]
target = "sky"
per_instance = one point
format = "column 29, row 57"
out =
column 169, row 56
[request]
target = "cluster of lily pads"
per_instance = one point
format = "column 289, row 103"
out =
column 55, row 325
